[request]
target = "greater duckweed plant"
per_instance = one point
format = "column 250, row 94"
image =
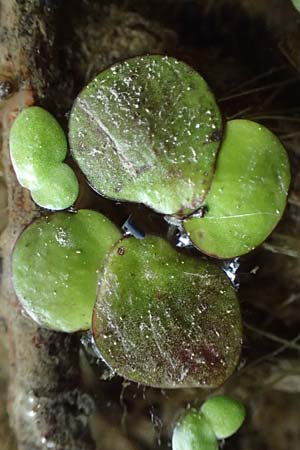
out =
column 219, row 418
column 147, row 130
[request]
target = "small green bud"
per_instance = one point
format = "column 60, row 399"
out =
column 194, row 432
column 219, row 418
column 224, row 414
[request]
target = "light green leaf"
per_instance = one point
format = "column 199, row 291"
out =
column 248, row 194
column 225, row 415
column 193, row 432
column 38, row 147
column 55, row 267
column 296, row 3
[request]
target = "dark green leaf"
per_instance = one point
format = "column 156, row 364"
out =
column 166, row 319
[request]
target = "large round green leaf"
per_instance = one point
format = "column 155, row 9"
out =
column 248, row 193
column 147, row 130
column 193, row 432
column 166, row 319
column 55, row 267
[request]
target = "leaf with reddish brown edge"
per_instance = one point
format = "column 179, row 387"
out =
column 166, row 319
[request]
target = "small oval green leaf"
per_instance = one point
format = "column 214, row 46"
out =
column 147, row 130
column 166, row 319
column 37, row 147
column 248, row 194
column 225, row 415
column 58, row 190
column 193, row 432
column 55, row 267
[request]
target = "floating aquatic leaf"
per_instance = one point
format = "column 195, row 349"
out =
column 225, row 415
column 55, row 267
column 193, row 432
column 38, row 146
column 166, row 319
column 147, row 130
column 248, row 193
column 219, row 417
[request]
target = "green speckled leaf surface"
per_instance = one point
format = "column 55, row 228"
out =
column 38, row 147
column 59, row 189
column 37, row 143
column 248, row 194
column 147, row 130
column 166, row 319
column 55, row 267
